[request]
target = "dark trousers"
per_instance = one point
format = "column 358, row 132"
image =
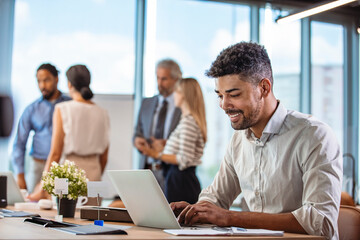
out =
column 181, row 185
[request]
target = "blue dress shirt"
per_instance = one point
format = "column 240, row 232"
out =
column 37, row 117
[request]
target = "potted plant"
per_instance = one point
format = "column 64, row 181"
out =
column 77, row 185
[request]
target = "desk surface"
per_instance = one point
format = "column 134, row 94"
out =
column 14, row 228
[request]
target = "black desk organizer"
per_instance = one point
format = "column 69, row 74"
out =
column 75, row 228
column 48, row 223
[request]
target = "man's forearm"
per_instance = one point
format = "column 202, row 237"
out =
column 282, row 221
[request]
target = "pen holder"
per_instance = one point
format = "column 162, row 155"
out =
column 67, row 207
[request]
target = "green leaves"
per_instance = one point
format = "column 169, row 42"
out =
column 76, row 177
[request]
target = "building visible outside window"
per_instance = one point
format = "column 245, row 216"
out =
column 193, row 33
column 327, row 82
column 284, row 53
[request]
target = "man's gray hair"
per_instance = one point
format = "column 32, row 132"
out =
column 172, row 65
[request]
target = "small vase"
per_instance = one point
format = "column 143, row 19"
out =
column 67, row 207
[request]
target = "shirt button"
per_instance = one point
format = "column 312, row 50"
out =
column 256, row 169
column 257, row 193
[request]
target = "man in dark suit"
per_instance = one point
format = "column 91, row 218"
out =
column 158, row 117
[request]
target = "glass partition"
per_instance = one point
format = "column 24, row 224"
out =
column 284, row 52
column 193, row 33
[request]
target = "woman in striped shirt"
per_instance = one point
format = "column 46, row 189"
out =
column 185, row 146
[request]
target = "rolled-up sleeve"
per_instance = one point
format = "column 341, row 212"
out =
column 322, row 176
column 225, row 187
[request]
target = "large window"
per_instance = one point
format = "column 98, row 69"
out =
column 193, row 33
column 284, row 55
column 97, row 33
column 327, row 83
column 101, row 34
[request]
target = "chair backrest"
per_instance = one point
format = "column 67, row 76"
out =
column 346, row 199
column 349, row 223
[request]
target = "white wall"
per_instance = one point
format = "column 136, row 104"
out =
column 121, row 112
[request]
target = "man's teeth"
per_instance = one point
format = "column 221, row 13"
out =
column 235, row 115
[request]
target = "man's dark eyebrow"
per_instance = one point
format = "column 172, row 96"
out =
column 229, row 91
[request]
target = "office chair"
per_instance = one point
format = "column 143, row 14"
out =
column 349, row 223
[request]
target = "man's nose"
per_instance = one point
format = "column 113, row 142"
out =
column 225, row 103
column 41, row 84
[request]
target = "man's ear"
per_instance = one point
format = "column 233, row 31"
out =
column 265, row 85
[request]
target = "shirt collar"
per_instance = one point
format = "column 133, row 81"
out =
column 272, row 127
column 276, row 120
column 61, row 98
column 169, row 99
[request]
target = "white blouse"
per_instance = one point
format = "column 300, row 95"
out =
column 86, row 128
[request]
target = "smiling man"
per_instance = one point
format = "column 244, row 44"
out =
column 37, row 117
column 287, row 164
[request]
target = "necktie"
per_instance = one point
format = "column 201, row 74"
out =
column 159, row 130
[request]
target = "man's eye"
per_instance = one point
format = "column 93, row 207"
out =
column 220, row 96
column 236, row 95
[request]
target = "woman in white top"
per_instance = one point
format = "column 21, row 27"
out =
column 80, row 129
column 184, row 148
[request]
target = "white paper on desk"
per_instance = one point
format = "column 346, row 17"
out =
column 212, row 232
column 95, row 188
column 262, row 232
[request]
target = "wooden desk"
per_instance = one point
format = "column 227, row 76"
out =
column 14, row 228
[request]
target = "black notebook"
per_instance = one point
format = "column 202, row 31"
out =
column 74, row 228
column 48, row 223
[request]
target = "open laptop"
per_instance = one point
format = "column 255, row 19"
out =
column 143, row 198
column 13, row 191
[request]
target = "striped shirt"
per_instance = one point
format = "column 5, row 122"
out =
column 186, row 142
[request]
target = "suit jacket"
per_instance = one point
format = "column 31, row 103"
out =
column 145, row 122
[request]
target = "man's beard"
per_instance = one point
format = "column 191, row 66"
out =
column 47, row 95
column 246, row 122
column 165, row 92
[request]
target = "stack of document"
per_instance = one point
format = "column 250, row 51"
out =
column 218, row 231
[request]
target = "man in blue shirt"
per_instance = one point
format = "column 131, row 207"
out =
column 37, row 117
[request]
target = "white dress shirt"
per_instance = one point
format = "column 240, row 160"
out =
column 296, row 166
